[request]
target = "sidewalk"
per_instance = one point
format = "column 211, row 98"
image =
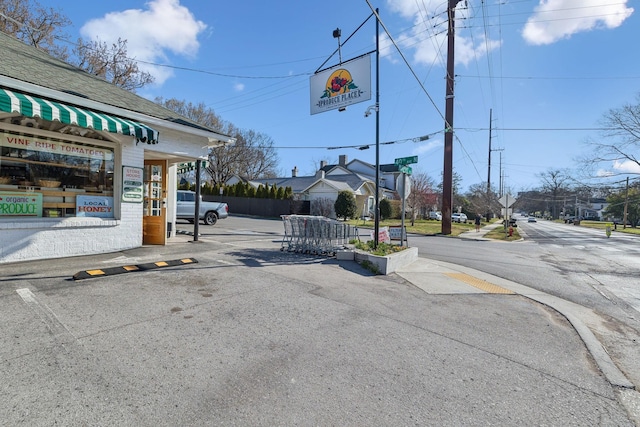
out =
column 479, row 235
column 434, row 278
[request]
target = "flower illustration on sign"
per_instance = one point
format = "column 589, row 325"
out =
column 338, row 83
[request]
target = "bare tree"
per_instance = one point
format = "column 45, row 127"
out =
column 322, row 206
column 555, row 186
column 423, row 195
column 199, row 113
column 35, row 25
column 481, row 202
column 617, row 150
column 111, row 63
column 252, row 156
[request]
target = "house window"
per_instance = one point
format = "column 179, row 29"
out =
column 54, row 178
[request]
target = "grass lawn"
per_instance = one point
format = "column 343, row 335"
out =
column 422, row 226
column 603, row 224
column 499, row 234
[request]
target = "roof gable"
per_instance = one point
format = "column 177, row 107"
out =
column 74, row 85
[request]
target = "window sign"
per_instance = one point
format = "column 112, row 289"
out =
column 94, row 206
column 132, row 184
column 42, row 145
column 20, row 204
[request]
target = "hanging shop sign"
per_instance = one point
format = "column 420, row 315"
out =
column 342, row 85
column 20, row 204
column 21, row 142
column 132, row 184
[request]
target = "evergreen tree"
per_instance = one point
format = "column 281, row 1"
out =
column 345, row 205
column 385, row 209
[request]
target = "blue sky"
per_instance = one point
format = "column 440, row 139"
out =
column 548, row 70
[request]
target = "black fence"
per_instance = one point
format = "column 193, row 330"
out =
column 268, row 208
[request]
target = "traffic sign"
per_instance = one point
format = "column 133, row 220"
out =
column 507, row 200
column 403, row 187
column 406, row 169
column 403, row 161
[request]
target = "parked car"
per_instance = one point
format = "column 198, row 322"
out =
column 459, row 217
column 210, row 212
column 435, row 215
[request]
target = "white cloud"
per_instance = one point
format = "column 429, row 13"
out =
column 619, row 167
column 554, row 20
column 239, row 87
column 626, row 166
column 164, row 26
column 428, row 37
column 427, row 147
column 602, row 173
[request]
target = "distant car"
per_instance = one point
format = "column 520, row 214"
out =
column 435, row 215
column 531, row 219
column 459, row 217
column 210, row 212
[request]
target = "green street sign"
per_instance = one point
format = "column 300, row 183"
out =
column 403, row 161
column 406, row 169
column 191, row 166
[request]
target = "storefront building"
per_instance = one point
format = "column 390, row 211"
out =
column 85, row 167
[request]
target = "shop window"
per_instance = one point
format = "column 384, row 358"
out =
column 55, row 178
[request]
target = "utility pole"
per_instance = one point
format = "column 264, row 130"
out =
column 626, row 205
column 447, row 173
column 500, row 191
column 489, row 162
column 376, row 238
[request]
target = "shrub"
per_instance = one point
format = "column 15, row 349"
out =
column 385, row 209
column 345, row 205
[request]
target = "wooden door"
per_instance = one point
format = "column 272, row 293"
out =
column 154, row 218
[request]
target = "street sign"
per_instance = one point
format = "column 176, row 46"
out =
column 403, row 187
column 406, row 169
column 403, row 161
column 507, row 200
column 191, row 166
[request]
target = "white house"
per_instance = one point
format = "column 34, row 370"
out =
column 356, row 176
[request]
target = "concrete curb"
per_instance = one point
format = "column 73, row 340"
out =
column 577, row 316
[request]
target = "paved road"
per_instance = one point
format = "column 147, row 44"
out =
column 251, row 335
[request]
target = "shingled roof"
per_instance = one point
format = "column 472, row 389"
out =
column 25, row 63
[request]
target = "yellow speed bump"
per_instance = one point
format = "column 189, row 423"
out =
column 480, row 284
column 131, row 268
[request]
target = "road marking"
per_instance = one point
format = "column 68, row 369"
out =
column 480, row 284
column 47, row 316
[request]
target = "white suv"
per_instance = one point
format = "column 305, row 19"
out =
column 435, row 215
column 459, row 217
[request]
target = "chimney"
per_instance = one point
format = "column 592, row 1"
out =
column 342, row 160
column 294, row 172
column 323, row 163
column 320, row 174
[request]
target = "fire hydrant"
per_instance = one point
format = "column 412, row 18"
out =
column 510, row 230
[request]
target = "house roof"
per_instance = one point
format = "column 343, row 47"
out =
column 29, row 69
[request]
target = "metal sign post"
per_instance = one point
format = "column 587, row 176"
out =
column 406, row 190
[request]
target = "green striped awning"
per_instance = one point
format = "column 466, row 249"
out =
column 30, row 106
